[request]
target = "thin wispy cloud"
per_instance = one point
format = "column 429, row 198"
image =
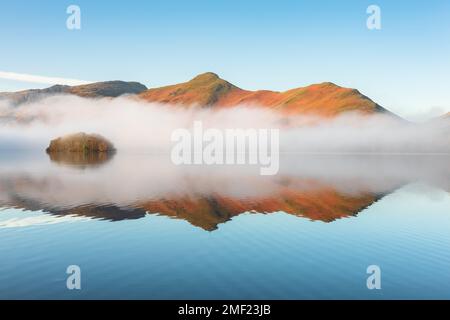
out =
column 40, row 79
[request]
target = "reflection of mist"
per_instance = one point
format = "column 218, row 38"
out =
column 322, row 188
column 374, row 173
column 130, row 178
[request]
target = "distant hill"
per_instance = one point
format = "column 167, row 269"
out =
column 20, row 97
column 209, row 90
column 107, row 89
column 92, row 90
column 443, row 121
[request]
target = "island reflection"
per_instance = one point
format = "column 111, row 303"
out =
column 81, row 159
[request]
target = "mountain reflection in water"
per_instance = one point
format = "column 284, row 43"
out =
column 317, row 187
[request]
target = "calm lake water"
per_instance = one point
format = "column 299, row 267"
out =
column 140, row 227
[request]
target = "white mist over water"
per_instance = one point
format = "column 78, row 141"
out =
column 127, row 178
column 135, row 125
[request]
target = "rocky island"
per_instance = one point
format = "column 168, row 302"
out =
column 81, row 143
column 81, row 150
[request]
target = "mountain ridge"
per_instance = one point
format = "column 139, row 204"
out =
column 209, row 90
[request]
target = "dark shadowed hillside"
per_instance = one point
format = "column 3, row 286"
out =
column 92, row 90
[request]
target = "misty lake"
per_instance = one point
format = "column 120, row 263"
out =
column 140, row 227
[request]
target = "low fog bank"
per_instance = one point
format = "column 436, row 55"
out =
column 134, row 125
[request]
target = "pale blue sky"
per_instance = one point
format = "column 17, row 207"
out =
column 276, row 45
